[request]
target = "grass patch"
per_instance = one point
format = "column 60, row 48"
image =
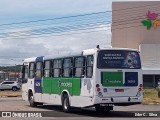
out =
column 151, row 96
column 150, row 93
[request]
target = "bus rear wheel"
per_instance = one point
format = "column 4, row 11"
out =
column 65, row 103
column 102, row 109
column 31, row 100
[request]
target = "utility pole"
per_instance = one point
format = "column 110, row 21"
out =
column 15, row 72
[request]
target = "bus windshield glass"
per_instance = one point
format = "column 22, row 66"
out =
column 118, row 59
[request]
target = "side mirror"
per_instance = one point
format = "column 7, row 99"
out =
column 21, row 74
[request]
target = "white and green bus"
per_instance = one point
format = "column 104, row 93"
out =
column 100, row 78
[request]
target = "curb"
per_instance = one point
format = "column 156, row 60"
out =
column 151, row 103
column 14, row 96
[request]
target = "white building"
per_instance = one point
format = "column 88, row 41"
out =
column 137, row 25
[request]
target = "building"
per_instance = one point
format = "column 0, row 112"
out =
column 137, row 25
column 11, row 76
column 3, row 76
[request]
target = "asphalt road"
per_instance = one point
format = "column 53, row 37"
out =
column 19, row 107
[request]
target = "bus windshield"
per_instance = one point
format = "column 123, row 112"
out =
column 118, row 59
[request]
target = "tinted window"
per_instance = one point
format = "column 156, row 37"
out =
column 79, row 66
column 24, row 73
column 67, row 67
column 31, row 70
column 57, row 64
column 89, row 68
column 47, row 69
column 8, row 83
column 67, row 63
column 38, row 70
column 119, row 59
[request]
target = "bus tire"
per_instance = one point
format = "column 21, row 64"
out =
column 40, row 103
column 102, row 109
column 65, row 103
column 31, row 100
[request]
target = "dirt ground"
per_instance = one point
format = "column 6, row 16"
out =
column 9, row 93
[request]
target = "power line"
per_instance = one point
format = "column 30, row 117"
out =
column 55, row 22
column 126, row 27
column 63, row 27
column 42, row 20
column 53, row 34
column 73, row 16
column 50, row 30
column 130, row 20
column 127, row 15
column 133, row 7
column 53, row 18
column 62, row 34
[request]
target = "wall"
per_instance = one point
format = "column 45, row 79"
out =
column 127, row 29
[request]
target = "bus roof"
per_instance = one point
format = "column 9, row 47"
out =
column 62, row 55
column 34, row 59
column 84, row 52
column 92, row 51
column 119, row 49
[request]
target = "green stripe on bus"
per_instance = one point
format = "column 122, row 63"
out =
column 57, row 85
column 112, row 79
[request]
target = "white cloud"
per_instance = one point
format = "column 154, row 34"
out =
column 19, row 49
column 27, row 10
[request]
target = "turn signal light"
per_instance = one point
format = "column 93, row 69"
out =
column 98, row 89
column 140, row 89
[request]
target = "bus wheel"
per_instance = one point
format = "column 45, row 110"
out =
column 65, row 103
column 31, row 100
column 102, row 109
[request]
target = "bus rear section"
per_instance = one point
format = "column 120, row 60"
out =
column 118, row 79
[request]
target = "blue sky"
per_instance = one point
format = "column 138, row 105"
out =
column 75, row 33
column 22, row 10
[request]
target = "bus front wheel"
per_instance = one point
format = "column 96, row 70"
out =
column 65, row 103
column 31, row 100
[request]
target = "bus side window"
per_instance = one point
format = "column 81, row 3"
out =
column 89, row 66
column 79, row 66
column 67, row 67
column 47, row 68
column 24, row 73
column 57, row 71
column 38, row 72
column 32, row 70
